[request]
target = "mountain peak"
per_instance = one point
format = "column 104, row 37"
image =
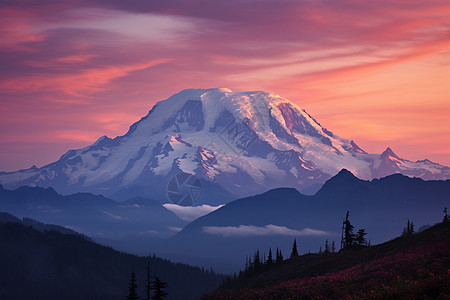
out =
column 389, row 153
column 99, row 140
column 346, row 173
column 339, row 182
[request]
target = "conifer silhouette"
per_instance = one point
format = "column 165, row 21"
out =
column 361, row 237
column 409, row 229
column 269, row 257
column 294, row 252
column 327, row 247
column 158, row 289
column 132, row 288
column 348, row 237
column 279, row 258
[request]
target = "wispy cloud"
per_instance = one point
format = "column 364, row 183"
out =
column 87, row 81
column 116, row 217
column 250, row 230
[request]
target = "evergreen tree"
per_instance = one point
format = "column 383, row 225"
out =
column 445, row 220
column 320, row 250
column 269, row 257
column 409, row 229
column 348, row 237
column 256, row 261
column 360, row 237
column 132, row 288
column 294, row 252
column 279, row 258
column 148, row 283
column 246, row 264
column 158, row 289
column 405, row 229
column 241, row 275
column 327, row 247
column 333, row 247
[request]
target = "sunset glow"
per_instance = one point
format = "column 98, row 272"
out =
column 376, row 72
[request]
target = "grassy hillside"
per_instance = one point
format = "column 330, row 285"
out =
column 409, row 267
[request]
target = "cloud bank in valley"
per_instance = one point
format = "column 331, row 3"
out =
column 190, row 213
column 250, row 230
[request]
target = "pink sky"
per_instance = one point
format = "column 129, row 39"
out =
column 376, row 72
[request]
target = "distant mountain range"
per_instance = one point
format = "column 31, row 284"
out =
column 51, row 265
column 223, row 237
column 92, row 215
column 235, row 144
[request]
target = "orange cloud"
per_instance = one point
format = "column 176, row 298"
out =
column 15, row 30
column 87, row 81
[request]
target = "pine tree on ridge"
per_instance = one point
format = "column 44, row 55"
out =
column 294, row 252
column 132, row 288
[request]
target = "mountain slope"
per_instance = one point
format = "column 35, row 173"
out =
column 409, row 267
column 236, row 143
column 51, row 265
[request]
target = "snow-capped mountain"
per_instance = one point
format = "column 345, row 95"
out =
column 235, row 143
